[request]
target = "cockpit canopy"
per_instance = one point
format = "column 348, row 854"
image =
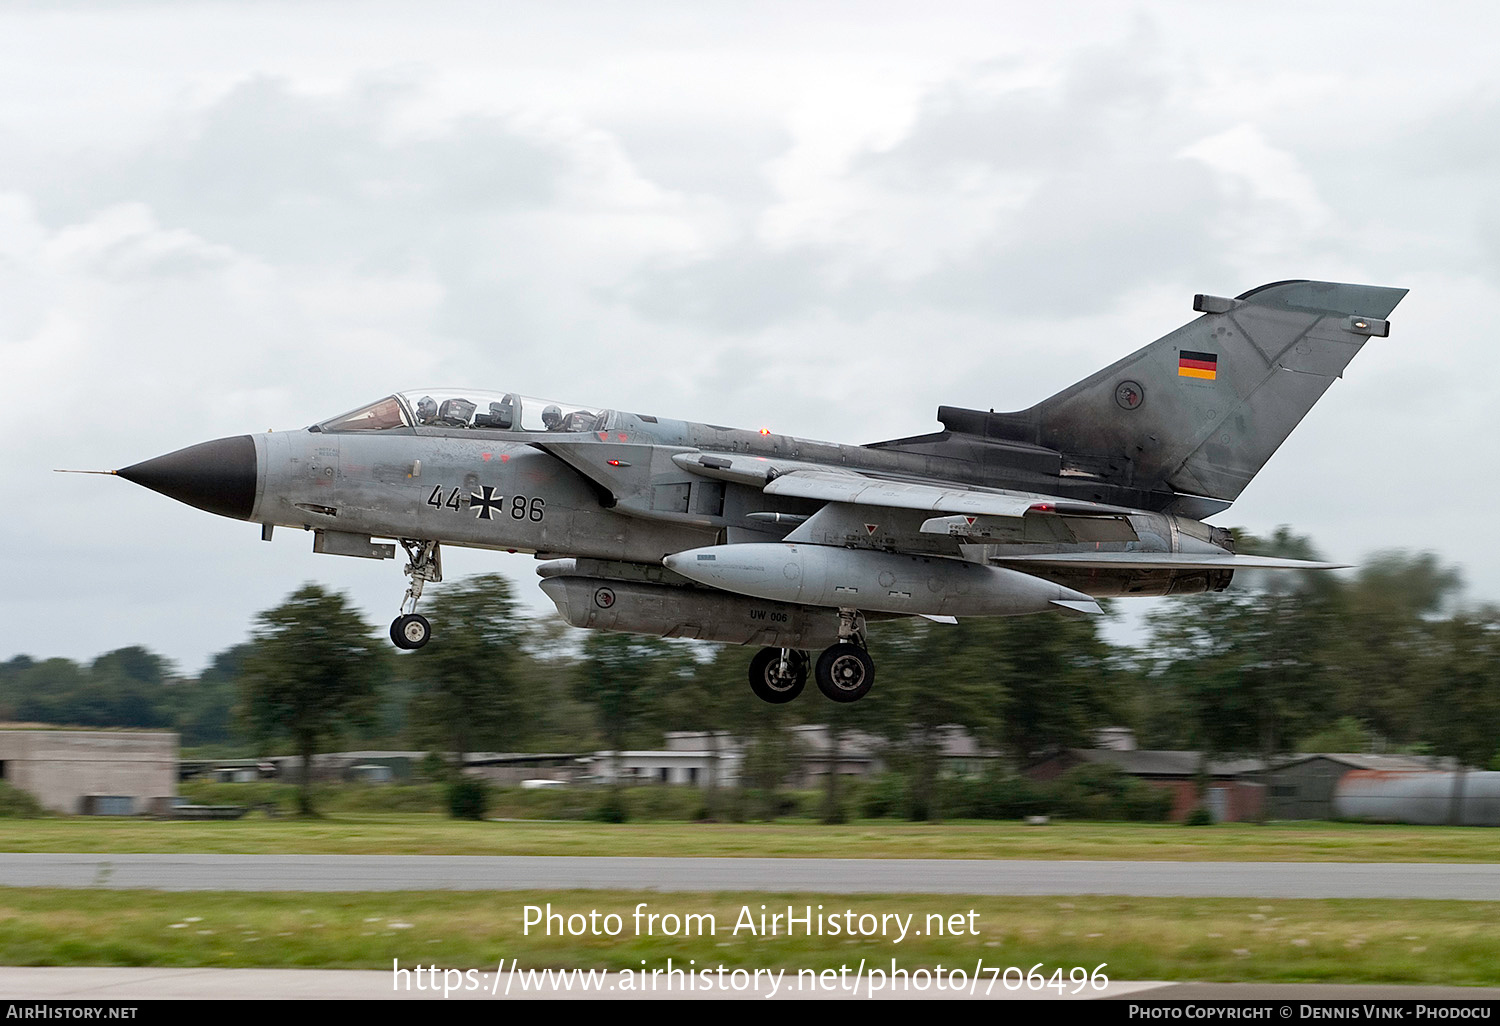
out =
column 469, row 408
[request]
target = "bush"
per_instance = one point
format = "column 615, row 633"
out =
column 435, row 767
column 796, row 803
column 1085, row 792
column 383, row 797
column 1000, row 796
column 18, row 804
column 612, row 809
column 960, row 798
column 663, row 802
column 833, row 813
column 1143, row 803
column 1096, row 791
column 758, row 803
column 885, row 795
column 330, row 797
column 468, row 798
column 671, row 802
column 1200, row 816
column 259, row 794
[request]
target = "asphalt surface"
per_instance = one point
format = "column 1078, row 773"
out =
column 190, row 872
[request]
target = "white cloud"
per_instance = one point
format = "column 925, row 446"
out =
column 219, row 218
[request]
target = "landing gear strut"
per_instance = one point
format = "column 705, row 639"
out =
column 845, row 671
column 778, row 675
column 424, row 563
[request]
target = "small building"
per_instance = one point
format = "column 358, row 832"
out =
column 371, row 773
column 864, row 755
column 106, row 772
column 1119, row 739
column 858, row 754
column 693, row 767
column 1233, row 793
column 1303, row 787
column 508, row 769
column 689, row 757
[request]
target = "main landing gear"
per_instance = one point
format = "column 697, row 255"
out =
column 424, row 563
column 778, row 675
column 844, row 672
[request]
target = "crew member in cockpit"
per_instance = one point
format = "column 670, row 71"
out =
column 552, row 417
column 427, row 410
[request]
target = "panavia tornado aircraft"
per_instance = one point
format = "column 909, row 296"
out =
column 688, row 530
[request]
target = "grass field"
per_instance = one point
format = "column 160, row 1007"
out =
column 1139, row 938
column 427, row 834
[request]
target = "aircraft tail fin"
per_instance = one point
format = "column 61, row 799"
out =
column 1200, row 410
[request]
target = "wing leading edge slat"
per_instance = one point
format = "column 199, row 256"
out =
column 866, row 491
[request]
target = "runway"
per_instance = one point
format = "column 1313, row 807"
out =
column 193, row 872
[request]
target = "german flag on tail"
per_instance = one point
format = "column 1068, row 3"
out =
column 1198, row 365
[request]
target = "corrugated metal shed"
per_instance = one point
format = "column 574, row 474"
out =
column 1423, row 797
column 1302, row 787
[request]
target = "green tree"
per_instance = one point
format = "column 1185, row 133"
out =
column 313, row 670
column 624, row 677
column 127, row 687
column 1057, row 675
column 1245, row 671
column 1378, row 645
column 1461, row 700
column 204, row 711
column 47, row 692
column 712, row 695
column 771, row 755
column 932, row 676
column 473, row 686
column 563, row 722
column 133, row 663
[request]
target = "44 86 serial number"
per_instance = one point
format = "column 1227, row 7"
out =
column 488, row 504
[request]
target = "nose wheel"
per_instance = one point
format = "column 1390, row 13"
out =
column 410, row 630
column 424, row 563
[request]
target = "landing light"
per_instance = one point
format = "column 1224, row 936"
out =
column 765, row 431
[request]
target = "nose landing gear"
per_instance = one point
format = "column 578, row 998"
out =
column 424, row 563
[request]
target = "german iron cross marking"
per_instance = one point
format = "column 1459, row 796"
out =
column 484, row 505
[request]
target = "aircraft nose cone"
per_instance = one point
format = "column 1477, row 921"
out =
column 217, row 476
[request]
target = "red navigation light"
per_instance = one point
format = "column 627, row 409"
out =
column 614, row 463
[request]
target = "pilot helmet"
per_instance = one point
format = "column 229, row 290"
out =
column 552, row 417
column 427, row 409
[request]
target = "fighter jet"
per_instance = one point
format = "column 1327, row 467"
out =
column 689, row 530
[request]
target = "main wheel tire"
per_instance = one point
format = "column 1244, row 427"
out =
column 767, row 680
column 845, row 672
column 410, row 630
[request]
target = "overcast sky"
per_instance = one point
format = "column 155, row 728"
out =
column 219, row 218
